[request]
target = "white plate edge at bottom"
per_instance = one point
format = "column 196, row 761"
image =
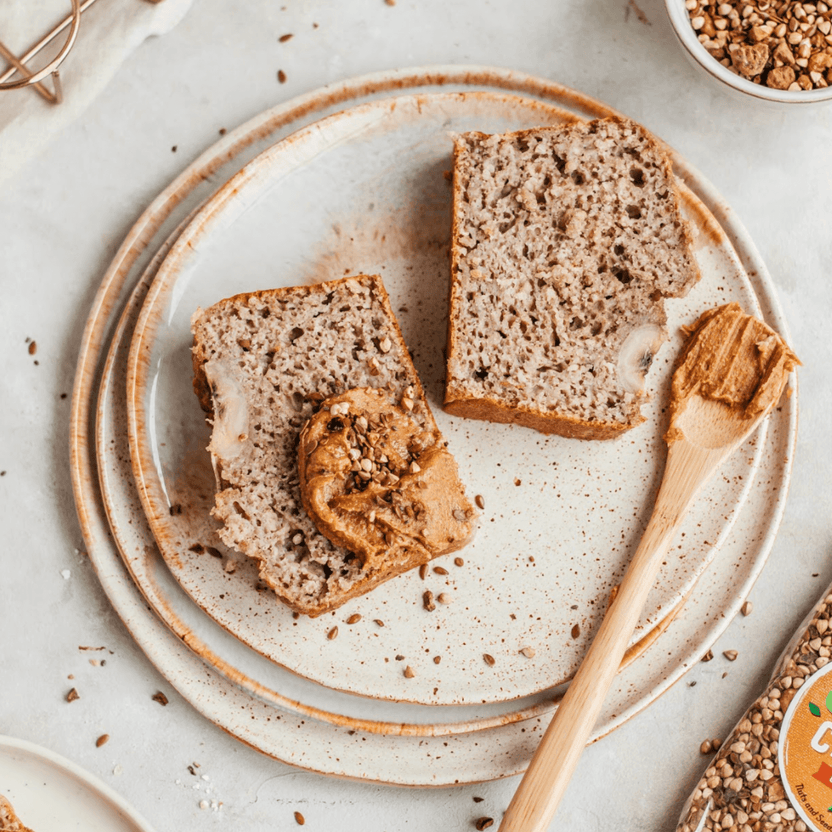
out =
column 90, row 781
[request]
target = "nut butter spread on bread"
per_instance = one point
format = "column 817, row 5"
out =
column 264, row 365
column 378, row 483
column 565, row 242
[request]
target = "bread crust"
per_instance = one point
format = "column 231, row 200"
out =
column 9, row 821
column 489, row 408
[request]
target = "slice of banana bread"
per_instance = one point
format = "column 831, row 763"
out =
column 9, row 821
column 565, row 242
column 264, row 364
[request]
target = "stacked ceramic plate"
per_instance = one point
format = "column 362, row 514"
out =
column 349, row 180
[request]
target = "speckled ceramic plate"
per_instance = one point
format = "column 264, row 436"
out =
column 52, row 794
column 181, row 655
column 363, row 191
column 218, row 648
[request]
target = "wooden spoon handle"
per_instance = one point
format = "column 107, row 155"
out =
column 551, row 768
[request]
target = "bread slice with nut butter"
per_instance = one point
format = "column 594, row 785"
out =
column 331, row 471
column 565, row 242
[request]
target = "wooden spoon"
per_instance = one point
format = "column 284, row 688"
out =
column 731, row 373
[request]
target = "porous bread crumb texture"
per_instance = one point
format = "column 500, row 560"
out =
column 9, row 821
column 289, row 348
column 565, row 241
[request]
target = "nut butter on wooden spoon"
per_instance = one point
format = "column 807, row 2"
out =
column 730, row 374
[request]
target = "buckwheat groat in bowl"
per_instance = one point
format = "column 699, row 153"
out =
column 777, row 51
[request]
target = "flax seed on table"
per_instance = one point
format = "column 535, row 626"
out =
column 742, row 788
column 782, row 45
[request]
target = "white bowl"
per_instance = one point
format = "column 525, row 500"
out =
column 697, row 53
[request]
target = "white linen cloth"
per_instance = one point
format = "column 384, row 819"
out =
column 110, row 30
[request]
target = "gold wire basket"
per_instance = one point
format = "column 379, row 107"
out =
column 34, row 79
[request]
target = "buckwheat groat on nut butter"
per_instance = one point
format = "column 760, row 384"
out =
column 268, row 363
column 565, row 242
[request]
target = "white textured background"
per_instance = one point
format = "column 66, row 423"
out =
column 61, row 220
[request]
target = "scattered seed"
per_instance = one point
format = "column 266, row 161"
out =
column 333, row 633
column 160, row 698
column 354, row 618
column 459, row 562
column 423, row 571
column 72, row 695
column 708, row 656
column 284, row 38
column 706, row 747
column 101, row 740
column 479, row 501
column 483, row 823
column 576, row 630
column 299, row 818
column 390, row 2
column 281, row 76
column 409, row 672
column 747, row 607
column 528, row 652
column 33, row 347
column 437, row 659
column 444, row 598
column 440, row 570
column 731, row 655
column 378, row 622
column 489, row 660
column 427, row 601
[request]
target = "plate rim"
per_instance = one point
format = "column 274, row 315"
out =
column 109, row 294
column 89, row 780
